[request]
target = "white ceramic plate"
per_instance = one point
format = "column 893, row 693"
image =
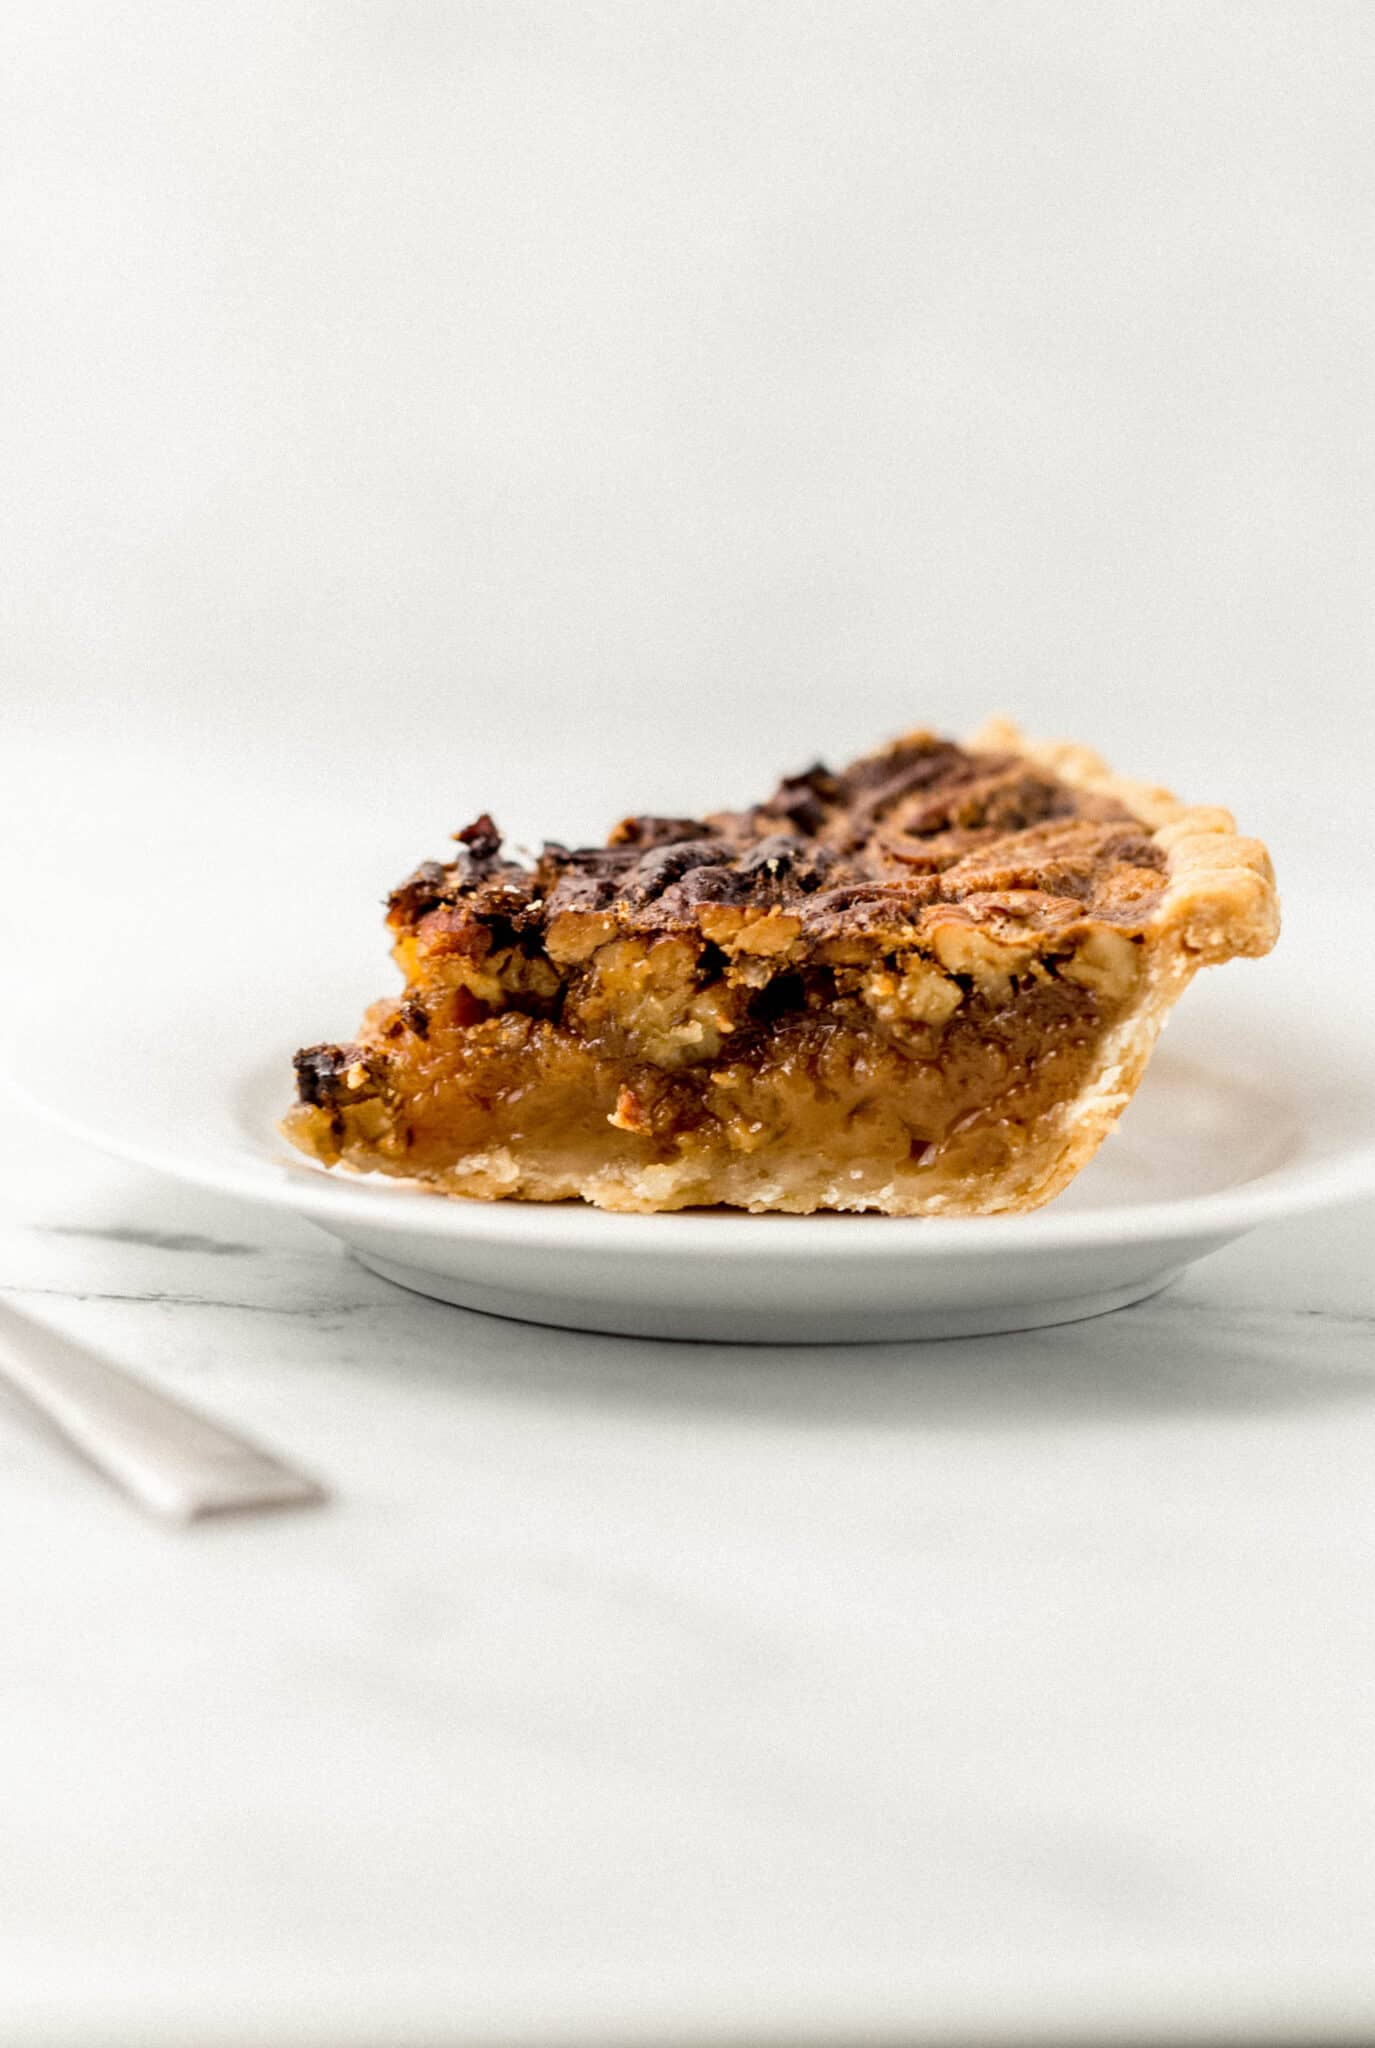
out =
column 1259, row 1104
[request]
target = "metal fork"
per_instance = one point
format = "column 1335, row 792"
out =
column 171, row 1459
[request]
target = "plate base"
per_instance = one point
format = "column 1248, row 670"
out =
column 771, row 1325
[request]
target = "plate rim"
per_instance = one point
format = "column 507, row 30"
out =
column 400, row 1208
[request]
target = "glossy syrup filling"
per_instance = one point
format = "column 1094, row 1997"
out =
column 818, row 1087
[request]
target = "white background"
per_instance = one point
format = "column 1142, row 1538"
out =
column 572, row 408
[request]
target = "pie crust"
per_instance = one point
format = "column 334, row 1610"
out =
column 928, row 983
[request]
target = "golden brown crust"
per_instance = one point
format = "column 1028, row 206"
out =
column 1220, row 900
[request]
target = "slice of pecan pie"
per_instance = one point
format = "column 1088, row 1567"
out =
column 925, row 983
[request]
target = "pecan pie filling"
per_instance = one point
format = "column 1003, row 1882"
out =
column 886, row 987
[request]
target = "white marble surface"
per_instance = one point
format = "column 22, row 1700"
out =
column 632, row 1690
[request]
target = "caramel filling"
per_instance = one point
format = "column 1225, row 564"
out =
column 661, row 1075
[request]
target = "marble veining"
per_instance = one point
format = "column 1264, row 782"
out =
column 158, row 1240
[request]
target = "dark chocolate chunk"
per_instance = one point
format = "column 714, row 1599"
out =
column 330, row 1076
column 481, row 838
column 423, row 891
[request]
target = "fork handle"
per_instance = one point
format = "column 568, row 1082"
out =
column 171, row 1459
